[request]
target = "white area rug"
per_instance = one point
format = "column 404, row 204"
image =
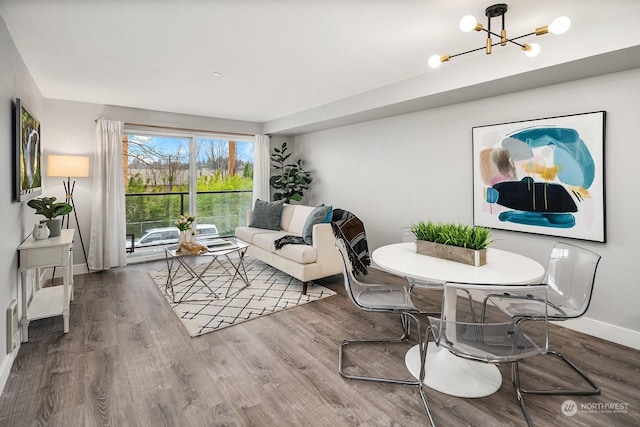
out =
column 271, row 291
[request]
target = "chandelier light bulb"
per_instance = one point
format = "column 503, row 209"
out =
column 559, row 25
column 434, row 61
column 468, row 23
column 534, row 50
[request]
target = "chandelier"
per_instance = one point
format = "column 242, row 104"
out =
column 468, row 23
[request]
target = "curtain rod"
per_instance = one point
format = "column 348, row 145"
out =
column 185, row 129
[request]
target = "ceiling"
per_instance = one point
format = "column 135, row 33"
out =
column 277, row 58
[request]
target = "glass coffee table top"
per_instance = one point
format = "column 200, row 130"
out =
column 199, row 276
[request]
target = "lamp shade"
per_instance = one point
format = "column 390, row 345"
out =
column 68, row 166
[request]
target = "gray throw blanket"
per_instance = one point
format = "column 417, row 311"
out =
column 288, row 240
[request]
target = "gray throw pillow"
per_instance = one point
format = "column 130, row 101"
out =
column 317, row 216
column 267, row 214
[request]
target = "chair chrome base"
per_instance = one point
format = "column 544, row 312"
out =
column 406, row 327
column 593, row 391
column 403, row 338
column 516, row 382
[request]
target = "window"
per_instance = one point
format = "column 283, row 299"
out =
column 167, row 174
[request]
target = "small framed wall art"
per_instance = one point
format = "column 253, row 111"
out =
column 28, row 154
column 543, row 176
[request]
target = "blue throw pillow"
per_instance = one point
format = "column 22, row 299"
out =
column 267, row 215
column 329, row 216
column 317, row 216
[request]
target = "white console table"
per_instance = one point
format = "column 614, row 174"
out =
column 53, row 300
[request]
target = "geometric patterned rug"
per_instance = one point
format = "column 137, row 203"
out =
column 271, row 291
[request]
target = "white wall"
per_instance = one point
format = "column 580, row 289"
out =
column 396, row 171
column 18, row 219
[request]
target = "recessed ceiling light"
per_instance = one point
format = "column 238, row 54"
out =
column 216, row 74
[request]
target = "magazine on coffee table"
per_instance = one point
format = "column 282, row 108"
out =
column 219, row 244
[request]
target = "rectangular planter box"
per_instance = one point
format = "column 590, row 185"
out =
column 452, row 253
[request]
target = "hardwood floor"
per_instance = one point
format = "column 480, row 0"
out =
column 127, row 361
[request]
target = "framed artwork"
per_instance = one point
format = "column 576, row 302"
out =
column 543, row 176
column 28, row 152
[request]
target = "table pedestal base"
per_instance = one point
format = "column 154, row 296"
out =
column 453, row 375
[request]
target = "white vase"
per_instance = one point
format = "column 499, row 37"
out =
column 184, row 236
column 41, row 231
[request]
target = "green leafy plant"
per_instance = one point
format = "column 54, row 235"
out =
column 465, row 236
column 290, row 180
column 49, row 208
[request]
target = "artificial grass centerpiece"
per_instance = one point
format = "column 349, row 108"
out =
column 442, row 240
column 465, row 236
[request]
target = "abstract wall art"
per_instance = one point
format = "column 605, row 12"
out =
column 543, row 176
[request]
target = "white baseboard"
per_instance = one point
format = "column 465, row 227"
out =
column 80, row 269
column 605, row 331
column 77, row 269
column 5, row 368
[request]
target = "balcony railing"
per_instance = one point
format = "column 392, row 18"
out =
column 226, row 209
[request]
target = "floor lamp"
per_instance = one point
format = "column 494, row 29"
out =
column 70, row 167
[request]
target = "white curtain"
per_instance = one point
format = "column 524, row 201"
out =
column 108, row 231
column 261, row 169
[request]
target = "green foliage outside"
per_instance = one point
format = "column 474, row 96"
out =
column 226, row 210
column 466, row 236
column 157, row 189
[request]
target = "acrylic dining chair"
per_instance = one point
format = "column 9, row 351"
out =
column 570, row 278
column 498, row 338
column 384, row 299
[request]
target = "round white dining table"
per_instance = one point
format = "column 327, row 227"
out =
column 443, row 371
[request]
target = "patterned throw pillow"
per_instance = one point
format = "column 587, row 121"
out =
column 317, row 216
column 267, row 215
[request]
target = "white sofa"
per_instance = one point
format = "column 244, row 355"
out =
column 304, row 262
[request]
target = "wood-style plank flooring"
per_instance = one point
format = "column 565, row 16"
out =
column 127, row 361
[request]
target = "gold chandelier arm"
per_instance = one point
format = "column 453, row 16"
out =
column 541, row 30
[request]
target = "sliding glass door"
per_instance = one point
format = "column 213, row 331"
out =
column 166, row 175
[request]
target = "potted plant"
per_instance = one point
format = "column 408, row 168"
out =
column 455, row 242
column 290, row 179
column 50, row 209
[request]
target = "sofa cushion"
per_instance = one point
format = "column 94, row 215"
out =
column 300, row 215
column 317, row 216
column 265, row 240
column 247, row 234
column 267, row 215
column 287, row 214
column 302, row 254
